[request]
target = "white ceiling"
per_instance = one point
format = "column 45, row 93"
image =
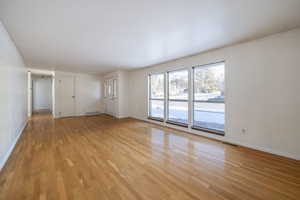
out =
column 98, row 36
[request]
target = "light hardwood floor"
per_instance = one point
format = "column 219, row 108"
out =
column 102, row 158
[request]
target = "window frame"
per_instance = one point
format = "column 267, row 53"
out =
column 115, row 88
column 190, row 100
column 214, row 131
column 156, row 99
column 105, row 88
column 177, row 100
column 110, row 88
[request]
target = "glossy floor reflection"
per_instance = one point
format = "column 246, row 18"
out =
column 100, row 157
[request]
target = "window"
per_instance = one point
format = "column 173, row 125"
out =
column 209, row 107
column 157, row 96
column 115, row 88
column 178, row 91
column 110, row 88
column 191, row 97
column 105, row 89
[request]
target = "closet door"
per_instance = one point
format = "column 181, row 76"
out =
column 67, row 96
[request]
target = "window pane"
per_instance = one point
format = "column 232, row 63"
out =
column 157, row 86
column 110, row 88
column 209, row 115
column 178, row 111
column 115, row 87
column 157, row 108
column 209, row 83
column 178, row 84
column 105, row 89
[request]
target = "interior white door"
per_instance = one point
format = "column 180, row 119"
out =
column 110, row 107
column 111, row 103
column 67, row 96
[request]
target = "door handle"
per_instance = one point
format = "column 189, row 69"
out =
column 73, row 97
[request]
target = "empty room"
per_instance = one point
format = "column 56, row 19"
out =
column 150, row 100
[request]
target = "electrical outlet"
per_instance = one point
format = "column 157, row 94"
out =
column 244, row 131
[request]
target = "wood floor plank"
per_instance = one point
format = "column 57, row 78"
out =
column 100, row 157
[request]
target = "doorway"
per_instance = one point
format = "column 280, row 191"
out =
column 41, row 94
column 111, row 100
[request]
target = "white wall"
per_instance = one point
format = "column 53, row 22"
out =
column 262, row 92
column 13, row 95
column 42, row 93
column 123, row 94
column 29, row 94
column 88, row 92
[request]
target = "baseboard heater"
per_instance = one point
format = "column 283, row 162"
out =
column 235, row 145
column 92, row 113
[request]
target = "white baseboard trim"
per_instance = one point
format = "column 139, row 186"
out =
column 267, row 150
column 222, row 139
column 122, row 117
column 79, row 115
column 10, row 150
